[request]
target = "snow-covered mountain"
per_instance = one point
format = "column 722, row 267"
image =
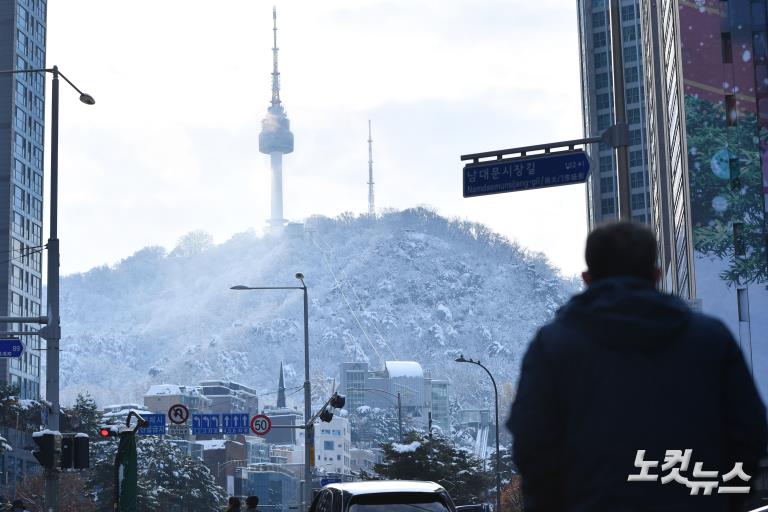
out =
column 409, row 285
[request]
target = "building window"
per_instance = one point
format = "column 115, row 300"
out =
column 328, row 445
column 21, row 94
column 638, row 201
column 633, row 95
column 598, row 4
column 635, row 137
column 606, row 184
column 635, row 159
column 606, row 162
column 21, row 42
column 18, row 171
column 607, row 206
column 37, row 183
column 20, row 146
column 601, row 80
column 603, row 101
column 633, row 116
column 598, row 19
column 631, row 74
column 636, row 180
column 630, row 53
column 599, row 39
column 601, row 60
column 603, row 121
column 629, row 34
column 760, row 46
column 21, row 119
column 628, row 13
column 725, row 43
column 18, row 198
column 731, row 113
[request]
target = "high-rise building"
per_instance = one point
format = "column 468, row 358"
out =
column 597, row 101
column 708, row 83
column 704, row 81
column 276, row 138
column 22, row 123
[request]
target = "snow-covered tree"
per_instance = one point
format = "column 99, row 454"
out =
column 422, row 458
column 168, row 478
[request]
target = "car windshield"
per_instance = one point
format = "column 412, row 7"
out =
column 398, row 502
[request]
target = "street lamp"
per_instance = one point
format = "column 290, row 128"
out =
column 399, row 407
column 461, row 359
column 52, row 331
column 308, row 435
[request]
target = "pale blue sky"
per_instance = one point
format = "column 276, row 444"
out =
column 181, row 87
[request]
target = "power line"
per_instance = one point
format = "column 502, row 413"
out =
column 23, row 255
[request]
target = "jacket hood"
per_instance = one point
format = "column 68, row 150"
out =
column 627, row 313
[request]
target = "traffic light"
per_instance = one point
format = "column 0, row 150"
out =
column 75, row 451
column 48, row 448
column 326, row 415
column 337, row 401
column 108, row 431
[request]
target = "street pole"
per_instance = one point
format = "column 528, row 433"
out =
column 461, row 359
column 53, row 328
column 309, row 432
column 51, row 333
column 399, row 418
column 619, row 118
column 309, row 429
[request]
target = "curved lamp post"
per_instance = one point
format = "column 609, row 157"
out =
column 307, row 390
column 461, row 359
column 52, row 331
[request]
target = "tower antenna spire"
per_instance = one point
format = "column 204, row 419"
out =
column 276, row 138
column 371, row 204
column 275, row 72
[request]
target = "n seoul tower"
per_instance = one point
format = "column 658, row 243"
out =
column 276, row 138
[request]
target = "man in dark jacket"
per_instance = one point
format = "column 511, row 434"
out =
column 617, row 389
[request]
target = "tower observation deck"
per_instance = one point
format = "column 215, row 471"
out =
column 276, row 138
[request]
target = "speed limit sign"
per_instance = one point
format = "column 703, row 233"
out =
column 261, row 425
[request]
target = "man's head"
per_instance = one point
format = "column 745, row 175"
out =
column 621, row 249
column 252, row 501
column 234, row 501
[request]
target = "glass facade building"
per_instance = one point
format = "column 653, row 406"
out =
column 597, row 101
column 704, row 70
column 22, row 121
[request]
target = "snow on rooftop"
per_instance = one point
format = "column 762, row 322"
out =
column 213, row 444
column 163, row 389
column 404, row 369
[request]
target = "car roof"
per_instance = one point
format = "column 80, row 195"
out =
column 381, row 486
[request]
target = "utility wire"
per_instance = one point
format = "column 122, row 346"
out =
column 357, row 297
column 22, row 256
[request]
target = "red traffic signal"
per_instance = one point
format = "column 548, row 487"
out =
column 107, row 431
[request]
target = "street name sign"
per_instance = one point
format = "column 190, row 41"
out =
column 261, row 424
column 11, row 347
column 205, row 424
column 156, row 425
column 237, row 423
column 525, row 173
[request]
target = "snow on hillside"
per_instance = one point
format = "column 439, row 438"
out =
column 410, row 285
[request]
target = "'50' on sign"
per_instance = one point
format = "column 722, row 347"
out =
column 261, row 425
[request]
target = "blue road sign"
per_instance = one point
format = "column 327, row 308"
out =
column 237, row 423
column 156, row 425
column 525, row 173
column 205, row 424
column 11, row 347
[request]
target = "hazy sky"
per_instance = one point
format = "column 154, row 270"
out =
column 181, row 87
